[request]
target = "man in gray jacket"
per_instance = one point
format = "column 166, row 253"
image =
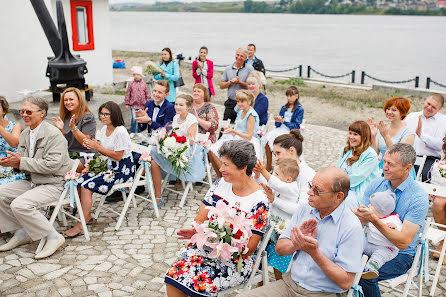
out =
column 43, row 156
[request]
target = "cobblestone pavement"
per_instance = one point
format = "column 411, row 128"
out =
column 133, row 260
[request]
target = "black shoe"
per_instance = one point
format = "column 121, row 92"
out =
column 198, row 184
column 115, row 197
column 140, row 190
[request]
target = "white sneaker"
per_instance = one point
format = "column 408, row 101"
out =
column 132, row 135
column 51, row 246
column 14, row 242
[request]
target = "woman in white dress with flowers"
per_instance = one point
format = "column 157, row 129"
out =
column 246, row 126
column 186, row 124
column 117, row 147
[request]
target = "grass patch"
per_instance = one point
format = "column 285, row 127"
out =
column 291, row 82
column 116, row 92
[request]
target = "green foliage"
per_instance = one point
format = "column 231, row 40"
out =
column 74, row 155
column 293, row 81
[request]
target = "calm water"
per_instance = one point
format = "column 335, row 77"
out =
column 388, row 47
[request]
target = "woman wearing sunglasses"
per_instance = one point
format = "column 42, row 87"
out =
column 9, row 140
column 116, row 146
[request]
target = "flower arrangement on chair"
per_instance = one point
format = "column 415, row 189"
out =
column 226, row 234
column 71, row 183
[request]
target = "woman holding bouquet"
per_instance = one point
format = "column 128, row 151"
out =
column 116, row 147
column 246, row 126
column 439, row 207
column 170, row 71
column 9, row 140
column 185, row 125
column 198, row 273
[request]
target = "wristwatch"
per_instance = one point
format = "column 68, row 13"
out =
column 75, row 129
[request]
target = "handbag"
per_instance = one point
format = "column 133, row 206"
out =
column 179, row 82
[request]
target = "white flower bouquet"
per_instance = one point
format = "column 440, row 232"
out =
column 280, row 226
column 71, row 175
column 438, row 172
column 6, row 172
column 226, row 234
column 152, row 68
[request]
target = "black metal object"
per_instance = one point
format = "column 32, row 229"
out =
column 353, row 76
column 428, row 83
column 300, row 70
column 64, row 70
column 308, row 71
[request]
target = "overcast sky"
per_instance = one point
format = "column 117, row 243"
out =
column 153, row 1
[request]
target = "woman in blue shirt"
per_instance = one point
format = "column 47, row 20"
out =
column 170, row 72
column 260, row 101
column 290, row 117
column 359, row 160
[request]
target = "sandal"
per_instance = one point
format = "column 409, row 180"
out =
column 89, row 222
column 80, row 233
column 161, row 201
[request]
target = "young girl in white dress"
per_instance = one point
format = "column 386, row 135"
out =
column 187, row 125
column 246, row 126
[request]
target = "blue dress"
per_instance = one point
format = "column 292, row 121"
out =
column 196, row 154
column 395, row 139
column 4, row 146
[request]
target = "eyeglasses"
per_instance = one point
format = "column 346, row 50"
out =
column 315, row 190
column 104, row 114
column 28, row 112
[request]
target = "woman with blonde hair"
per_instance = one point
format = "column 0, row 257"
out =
column 76, row 122
column 261, row 101
column 246, row 126
column 359, row 160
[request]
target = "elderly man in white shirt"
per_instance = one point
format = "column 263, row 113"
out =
column 429, row 126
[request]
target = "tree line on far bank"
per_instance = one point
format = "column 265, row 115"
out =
column 282, row 6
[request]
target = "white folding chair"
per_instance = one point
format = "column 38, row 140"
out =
column 189, row 185
column 257, row 275
column 221, row 124
column 420, row 160
column 408, row 277
column 435, row 235
column 60, row 211
column 139, row 180
column 355, row 286
column 203, row 137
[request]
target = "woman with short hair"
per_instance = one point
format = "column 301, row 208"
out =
column 241, row 192
column 205, row 112
column 260, row 101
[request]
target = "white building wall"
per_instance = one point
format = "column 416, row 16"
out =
column 24, row 48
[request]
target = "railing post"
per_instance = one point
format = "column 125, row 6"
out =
column 300, row 70
column 308, row 71
column 362, row 77
column 417, row 81
column 353, row 76
column 428, row 83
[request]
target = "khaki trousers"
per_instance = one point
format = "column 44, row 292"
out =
column 285, row 287
column 19, row 207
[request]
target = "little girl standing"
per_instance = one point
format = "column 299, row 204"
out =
column 135, row 97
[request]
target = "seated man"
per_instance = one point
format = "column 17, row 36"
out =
column 43, row 156
column 157, row 112
column 328, row 241
column 411, row 206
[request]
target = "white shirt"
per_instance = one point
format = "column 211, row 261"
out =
column 287, row 197
column 119, row 140
column 433, row 132
column 156, row 110
column 376, row 237
column 32, row 140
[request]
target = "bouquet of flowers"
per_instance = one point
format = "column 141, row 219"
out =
column 226, row 233
column 152, row 68
column 71, row 175
column 261, row 132
column 442, row 169
column 6, row 172
column 280, row 226
column 96, row 165
column 173, row 148
column 438, row 173
column 145, row 157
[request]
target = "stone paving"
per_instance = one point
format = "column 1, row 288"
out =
column 133, row 260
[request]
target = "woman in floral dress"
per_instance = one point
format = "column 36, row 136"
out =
column 205, row 112
column 9, row 140
column 116, row 146
column 195, row 274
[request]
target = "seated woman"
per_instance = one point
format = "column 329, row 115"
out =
column 240, row 191
column 116, row 146
column 359, row 160
column 246, row 126
column 383, row 136
column 76, row 122
column 260, row 101
column 439, row 206
column 290, row 117
column 9, row 140
column 205, row 112
column 186, row 123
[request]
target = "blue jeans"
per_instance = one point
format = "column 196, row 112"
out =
column 133, row 125
column 394, row 268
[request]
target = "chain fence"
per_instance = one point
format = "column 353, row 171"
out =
column 331, row 76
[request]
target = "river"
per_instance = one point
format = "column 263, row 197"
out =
column 387, row 47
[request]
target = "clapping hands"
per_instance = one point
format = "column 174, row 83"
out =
column 58, row 122
column 304, row 237
column 91, row 144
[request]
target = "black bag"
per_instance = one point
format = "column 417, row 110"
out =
column 179, row 82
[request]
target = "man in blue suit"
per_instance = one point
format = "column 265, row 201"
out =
column 157, row 112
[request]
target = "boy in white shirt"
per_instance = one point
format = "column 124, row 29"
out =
column 378, row 247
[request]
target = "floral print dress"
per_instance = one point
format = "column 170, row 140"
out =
column 6, row 174
column 197, row 275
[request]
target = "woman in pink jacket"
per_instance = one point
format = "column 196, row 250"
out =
column 203, row 70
